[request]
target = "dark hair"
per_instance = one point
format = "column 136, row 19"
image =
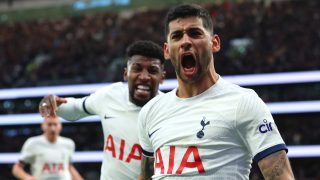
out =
column 189, row 10
column 145, row 48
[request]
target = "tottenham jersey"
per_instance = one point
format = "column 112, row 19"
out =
column 48, row 160
column 214, row 135
column 119, row 117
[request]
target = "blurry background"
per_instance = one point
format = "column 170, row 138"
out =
column 72, row 47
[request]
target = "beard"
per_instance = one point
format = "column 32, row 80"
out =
column 202, row 68
column 139, row 102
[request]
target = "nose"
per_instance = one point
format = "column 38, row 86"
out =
column 186, row 42
column 52, row 128
column 144, row 75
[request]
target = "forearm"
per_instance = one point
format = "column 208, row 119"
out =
column 276, row 167
column 146, row 168
column 19, row 172
column 74, row 173
column 72, row 110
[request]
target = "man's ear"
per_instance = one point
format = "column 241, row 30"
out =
column 125, row 74
column 166, row 51
column 215, row 40
column 163, row 76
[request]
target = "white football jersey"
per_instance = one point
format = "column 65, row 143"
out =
column 119, row 117
column 49, row 161
column 214, row 135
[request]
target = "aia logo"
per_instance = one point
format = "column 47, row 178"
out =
column 53, row 168
column 111, row 146
column 265, row 127
column 200, row 134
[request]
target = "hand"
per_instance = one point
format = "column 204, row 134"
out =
column 140, row 177
column 49, row 104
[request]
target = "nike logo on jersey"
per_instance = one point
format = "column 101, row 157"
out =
column 107, row 117
column 150, row 134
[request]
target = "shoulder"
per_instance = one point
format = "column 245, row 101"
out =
column 160, row 101
column 33, row 141
column 112, row 91
column 236, row 91
column 114, row 87
column 66, row 140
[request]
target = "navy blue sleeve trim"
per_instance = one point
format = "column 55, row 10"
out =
column 84, row 106
column 269, row 151
column 147, row 153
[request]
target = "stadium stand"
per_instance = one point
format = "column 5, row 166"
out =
column 281, row 36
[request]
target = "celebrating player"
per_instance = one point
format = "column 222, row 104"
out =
column 207, row 127
column 118, row 106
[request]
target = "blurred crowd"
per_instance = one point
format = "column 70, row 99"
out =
column 89, row 48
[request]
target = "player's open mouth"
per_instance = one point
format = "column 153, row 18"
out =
column 143, row 90
column 188, row 63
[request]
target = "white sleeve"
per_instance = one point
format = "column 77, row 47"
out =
column 73, row 110
column 77, row 108
column 28, row 152
column 257, row 128
column 144, row 140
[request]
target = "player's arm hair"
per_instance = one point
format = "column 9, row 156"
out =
column 75, row 175
column 146, row 168
column 19, row 172
column 276, row 166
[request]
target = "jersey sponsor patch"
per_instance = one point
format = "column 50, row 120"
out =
column 120, row 152
column 174, row 163
column 265, row 126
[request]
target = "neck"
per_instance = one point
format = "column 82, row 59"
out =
column 51, row 140
column 187, row 90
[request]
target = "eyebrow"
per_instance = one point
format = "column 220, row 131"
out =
column 188, row 29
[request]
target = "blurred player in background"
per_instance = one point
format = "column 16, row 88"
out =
column 118, row 106
column 49, row 155
column 207, row 128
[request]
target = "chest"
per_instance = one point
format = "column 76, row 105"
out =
column 208, row 122
column 52, row 154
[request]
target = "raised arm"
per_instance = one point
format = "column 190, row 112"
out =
column 19, row 172
column 276, row 166
column 146, row 168
column 68, row 108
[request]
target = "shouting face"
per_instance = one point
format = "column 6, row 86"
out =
column 144, row 75
column 190, row 47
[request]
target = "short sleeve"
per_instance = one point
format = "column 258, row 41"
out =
column 144, row 139
column 28, row 152
column 257, row 128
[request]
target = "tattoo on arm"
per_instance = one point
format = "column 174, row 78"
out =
column 147, row 167
column 276, row 166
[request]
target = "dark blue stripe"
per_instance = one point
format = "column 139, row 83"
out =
column 84, row 106
column 147, row 153
column 269, row 151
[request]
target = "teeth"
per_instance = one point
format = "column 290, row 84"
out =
column 142, row 87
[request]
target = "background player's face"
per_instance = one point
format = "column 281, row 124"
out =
column 144, row 74
column 51, row 127
column 190, row 47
